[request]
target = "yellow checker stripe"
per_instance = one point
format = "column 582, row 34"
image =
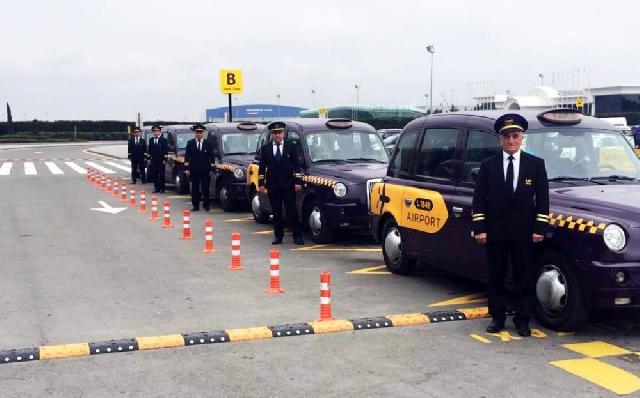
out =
column 319, row 181
column 580, row 224
column 225, row 166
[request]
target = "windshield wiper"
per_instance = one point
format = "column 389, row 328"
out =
column 568, row 179
column 239, row 153
column 328, row 160
column 365, row 160
column 613, row 178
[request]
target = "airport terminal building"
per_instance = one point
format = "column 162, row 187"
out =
column 254, row 112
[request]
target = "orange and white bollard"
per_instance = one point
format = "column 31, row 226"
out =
column 274, row 274
column 109, row 184
column 116, row 192
column 208, row 237
column 166, row 218
column 123, row 192
column 235, row 252
column 325, row 296
column 132, row 197
column 154, row 208
column 103, row 185
column 87, row 176
column 186, row 225
column 143, row 202
column 94, row 174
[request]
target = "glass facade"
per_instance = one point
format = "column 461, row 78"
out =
column 625, row 105
column 367, row 113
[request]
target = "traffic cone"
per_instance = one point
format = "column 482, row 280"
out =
column 109, row 184
column 186, row 225
column 93, row 177
column 208, row 237
column 274, row 279
column 132, row 197
column 325, row 296
column 143, row 202
column 103, row 184
column 154, row 208
column 123, row 192
column 235, row 252
column 166, row 220
column 116, row 193
column 87, row 176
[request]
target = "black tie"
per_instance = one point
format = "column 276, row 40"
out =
column 278, row 153
column 509, row 181
column 199, row 148
column 155, row 141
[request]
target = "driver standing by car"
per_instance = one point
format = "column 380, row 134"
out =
column 510, row 215
column 279, row 163
column 197, row 160
column 158, row 152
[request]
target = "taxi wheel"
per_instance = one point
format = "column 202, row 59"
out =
column 396, row 260
column 259, row 215
column 320, row 232
column 559, row 304
column 226, row 202
column 182, row 183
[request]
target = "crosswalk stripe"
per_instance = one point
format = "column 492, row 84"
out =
column 119, row 166
column 30, row 169
column 101, row 168
column 5, row 169
column 53, row 168
column 76, row 168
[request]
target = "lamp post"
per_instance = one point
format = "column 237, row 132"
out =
column 278, row 97
column 426, row 105
column 313, row 96
column 432, row 50
column 357, row 87
column 541, row 76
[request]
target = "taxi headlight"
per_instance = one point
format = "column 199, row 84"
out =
column 614, row 237
column 238, row 173
column 340, row 190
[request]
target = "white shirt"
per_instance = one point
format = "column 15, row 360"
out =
column 199, row 144
column 516, row 167
column 275, row 148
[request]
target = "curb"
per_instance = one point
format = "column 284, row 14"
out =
column 235, row 335
column 90, row 150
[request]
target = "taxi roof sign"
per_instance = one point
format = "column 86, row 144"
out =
column 247, row 126
column 339, row 123
column 561, row 116
column 231, row 81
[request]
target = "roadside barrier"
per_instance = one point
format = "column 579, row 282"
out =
column 186, row 225
column 143, row 202
column 325, row 296
column 235, row 252
column 274, row 273
column 154, row 208
column 132, row 197
column 208, row 237
column 166, row 220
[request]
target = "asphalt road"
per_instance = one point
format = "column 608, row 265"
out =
column 70, row 274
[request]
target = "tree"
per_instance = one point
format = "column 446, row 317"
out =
column 9, row 120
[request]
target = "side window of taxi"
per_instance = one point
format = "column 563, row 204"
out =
column 480, row 145
column 294, row 137
column 436, row 156
column 403, row 154
column 261, row 141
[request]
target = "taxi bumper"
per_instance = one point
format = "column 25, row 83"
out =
column 346, row 216
column 238, row 190
column 605, row 292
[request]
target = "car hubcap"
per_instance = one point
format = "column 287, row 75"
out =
column 224, row 197
column 178, row 180
column 551, row 290
column 393, row 245
column 255, row 205
column 315, row 222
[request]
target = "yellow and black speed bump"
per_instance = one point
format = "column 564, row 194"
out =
column 236, row 335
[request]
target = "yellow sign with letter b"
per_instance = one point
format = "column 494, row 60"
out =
column 231, row 81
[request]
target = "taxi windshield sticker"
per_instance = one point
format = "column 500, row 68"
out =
column 423, row 210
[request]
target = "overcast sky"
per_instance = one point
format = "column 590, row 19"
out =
column 73, row 59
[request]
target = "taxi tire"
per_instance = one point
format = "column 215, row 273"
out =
column 405, row 265
column 576, row 312
column 227, row 204
column 325, row 235
column 262, row 217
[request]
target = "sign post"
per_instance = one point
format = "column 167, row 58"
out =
column 230, row 83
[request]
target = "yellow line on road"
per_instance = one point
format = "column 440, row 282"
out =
column 333, row 248
column 371, row 271
column 597, row 372
column 596, row 349
column 470, row 298
column 480, row 338
column 245, row 219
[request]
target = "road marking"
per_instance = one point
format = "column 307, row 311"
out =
column 5, row 169
column 597, row 372
column 100, row 168
column 470, row 298
column 106, row 208
column 53, row 168
column 30, row 169
column 480, row 339
column 76, row 168
column 270, row 231
column 596, row 349
column 505, row 336
column 119, row 166
column 370, row 271
column 333, row 248
column 245, row 219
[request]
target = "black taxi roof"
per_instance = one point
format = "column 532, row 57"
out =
column 588, row 122
column 233, row 126
column 316, row 124
column 178, row 128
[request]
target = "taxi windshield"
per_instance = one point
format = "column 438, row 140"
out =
column 348, row 146
column 582, row 153
column 239, row 143
column 182, row 139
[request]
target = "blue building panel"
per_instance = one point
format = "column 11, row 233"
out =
column 255, row 112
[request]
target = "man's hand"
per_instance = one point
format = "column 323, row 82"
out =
column 211, row 173
column 537, row 238
column 262, row 190
column 481, row 238
column 297, row 187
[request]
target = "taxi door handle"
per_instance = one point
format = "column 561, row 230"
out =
column 408, row 201
column 457, row 211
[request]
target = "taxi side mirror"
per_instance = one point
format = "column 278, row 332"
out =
column 475, row 172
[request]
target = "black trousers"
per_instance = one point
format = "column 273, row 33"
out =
column 157, row 175
column 287, row 195
column 200, row 181
column 137, row 170
column 498, row 256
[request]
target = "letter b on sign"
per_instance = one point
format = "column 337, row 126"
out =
column 231, row 81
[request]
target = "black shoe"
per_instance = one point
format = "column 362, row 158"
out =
column 195, row 209
column 522, row 328
column 495, row 326
column 155, row 192
column 277, row 241
column 206, row 208
column 298, row 240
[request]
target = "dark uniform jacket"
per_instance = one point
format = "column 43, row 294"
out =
column 159, row 152
column 511, row 216
column 198, row 161
column 137, row 152
column 285, row 173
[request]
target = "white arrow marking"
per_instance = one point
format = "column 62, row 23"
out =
column 106, row 208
